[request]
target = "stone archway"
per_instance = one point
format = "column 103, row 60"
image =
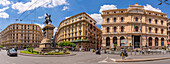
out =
column 107, row 41
column 115, row 40
column 156, row 41
column 150, row 41
column 121, row 38
column 162, row 42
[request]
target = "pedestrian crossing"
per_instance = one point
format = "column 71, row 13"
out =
column 108, row 60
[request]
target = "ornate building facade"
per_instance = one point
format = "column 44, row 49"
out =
column 21, row 35
column 80, row 29
column 124, row 28
column 168, row 24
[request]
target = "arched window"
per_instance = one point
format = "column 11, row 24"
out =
column 156, row 21
column 115, row 19
column 122, row 19
column 107, row 41
column 108, row 29
column 150, row 41
column 114, row 40
column 149, row 29
column 161, row 22
column 162, row 41
column 114, row 29
column 136, row 19
column 156, row 30
column 156, row 41
column 108, row 20
column 121, row 38
column 162, row 30
column 122, row 29
column 136, row 28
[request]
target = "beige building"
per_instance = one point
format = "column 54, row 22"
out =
column 122, row 27
column 80, row 29
column 168, row 24
column 21, row 35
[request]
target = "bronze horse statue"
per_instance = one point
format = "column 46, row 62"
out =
column 47, row 19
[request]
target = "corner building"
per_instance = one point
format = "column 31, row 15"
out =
column 80, row 29
column 123, row 27
column 168, row 24
column 21, row 35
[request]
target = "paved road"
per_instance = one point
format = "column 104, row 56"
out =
column 80, row 58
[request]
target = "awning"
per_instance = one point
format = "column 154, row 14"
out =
column 80, row 40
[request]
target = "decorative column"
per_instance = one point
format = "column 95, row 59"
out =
column 103, row 45
column 159, row 42
column 111, row 41
column 118, row 44
column 153, row 43
column 118, row 41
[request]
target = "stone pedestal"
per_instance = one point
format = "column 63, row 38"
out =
column 47, row 35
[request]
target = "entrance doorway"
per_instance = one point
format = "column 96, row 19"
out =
column 136, row 41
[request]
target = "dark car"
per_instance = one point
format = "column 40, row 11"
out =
column 12, row 52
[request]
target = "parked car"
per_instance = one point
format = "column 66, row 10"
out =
column 12, row 52
column 3, row 48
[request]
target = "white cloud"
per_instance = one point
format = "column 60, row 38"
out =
column 3, row 9
column 4, row 2
column 40, row 17
column 67, row 17
column 97, row 17
column 21, row 7
column 65, row 8
column 107, row 7
column 55, row 30
column 4, row 14
column 149, row 7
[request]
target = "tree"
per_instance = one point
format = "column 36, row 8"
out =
column 1, row 46
column 66, row 43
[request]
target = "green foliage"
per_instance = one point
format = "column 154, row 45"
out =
column 66, row 43
column 164, row 48
column 115, row 45
column 30, row 49
column 27, row 52
column 128, row 50
column 53, row 53
column 1, row 46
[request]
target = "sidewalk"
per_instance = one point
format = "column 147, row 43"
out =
column 140, row 58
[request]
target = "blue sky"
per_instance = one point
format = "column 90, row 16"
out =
column 29, row 10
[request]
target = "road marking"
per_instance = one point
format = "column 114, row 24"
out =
column 113, row 59
column 103, row 61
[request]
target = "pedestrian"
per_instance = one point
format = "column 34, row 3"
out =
column 149, row 50
column 125, row 54
column 122, row 55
